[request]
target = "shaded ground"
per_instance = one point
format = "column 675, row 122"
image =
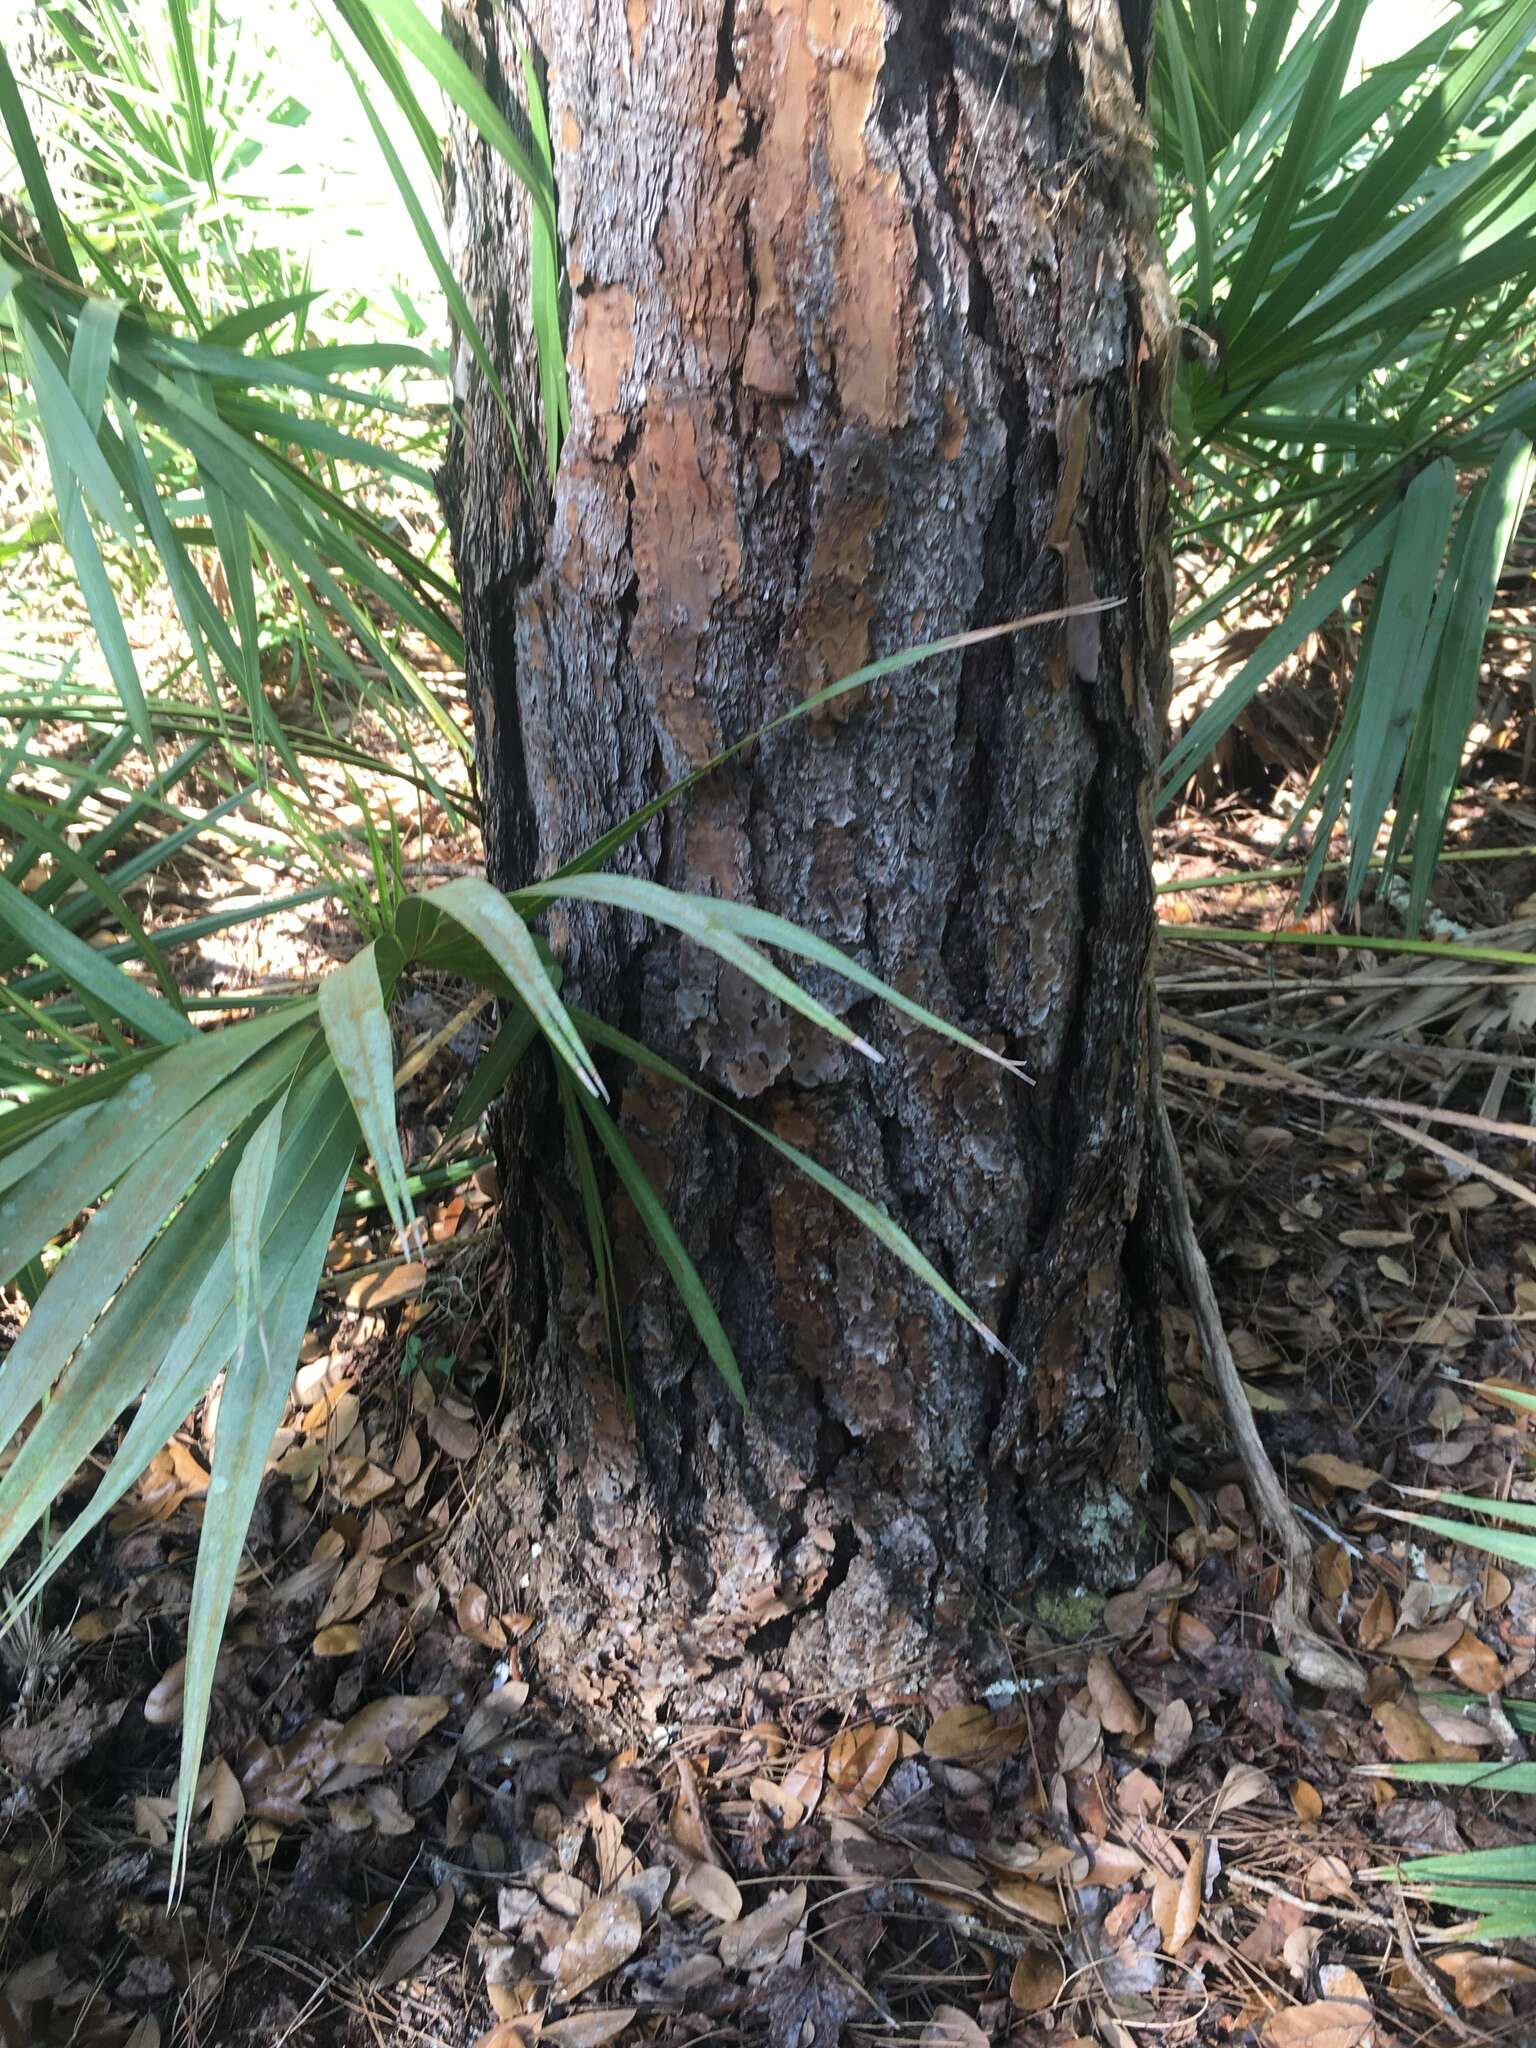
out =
column 1152, row 1836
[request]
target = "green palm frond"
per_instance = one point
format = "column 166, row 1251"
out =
column 1354, row 259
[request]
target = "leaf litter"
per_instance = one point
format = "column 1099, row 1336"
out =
column 1155, row 1837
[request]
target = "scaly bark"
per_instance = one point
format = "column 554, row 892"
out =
column 869, row 342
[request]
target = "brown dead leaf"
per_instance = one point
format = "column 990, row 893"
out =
column 492, row 1717
column 1339, row 1474
column 261, row 1840
column 387, row 1729
column 1411, row 1739
column 344, row 1640
column 706, row 1885
column 1329, row 2023
column 1113, row 1865
column 1125, row 1614
column 951, row 2028
column 1265, row 1940
column 1078, row 1738
column 226, row 1801
column 353, row 1594
column 1035, row 1901
column 1140, row 1795
column 1181, row 1912
column 1427, row 1645
column 472, row 1611
column 1480, row 1978
column 452, row 1434
column 606, row 1935
column 689, row 1828
column 152, row 1819
column 588, row 2029
column 803, row 1781
column 762, row 1937
column 1497, row 1587
column 382, row 1286
column 1327, row 1877
column 564, row 1892
column 1117, row 1711
column 1475, row 1665
column 1243, row 1784
column 784, row 1806
column 407, row 1465
column 1333, row 1571
column 1378, row 1620
column 1306, row 1800
column 386, row 1810
column 1037, row 1979
column 163, row 1706
column 970, row 1735
column 1171, row 1732
column 859, row 1762
column 959, row 1733
column 411, row 1948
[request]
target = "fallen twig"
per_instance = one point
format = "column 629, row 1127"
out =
column 1305, row 1651
column 1421, row 1973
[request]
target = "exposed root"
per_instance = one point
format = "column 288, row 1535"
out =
column 1319, row 1663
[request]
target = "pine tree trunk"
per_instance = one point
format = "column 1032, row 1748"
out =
column 869, row 343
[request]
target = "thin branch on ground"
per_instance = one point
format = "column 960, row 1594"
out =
column 1318, row 1662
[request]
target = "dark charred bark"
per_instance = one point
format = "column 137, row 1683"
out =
column 869, row 343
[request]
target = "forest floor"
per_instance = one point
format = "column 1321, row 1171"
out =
column 1160, row 1836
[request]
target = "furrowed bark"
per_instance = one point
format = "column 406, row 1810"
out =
column 869, row 343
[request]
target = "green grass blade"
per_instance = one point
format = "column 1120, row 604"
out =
column 356, row 1025
column 68, row 433
column 1194, row 160
column 1521, row 1512
column 87, row 970
column 496, row 1066
column 490, row 918
column 248, row 1193
column 1492, row 518
column 1504, row 1543
column 189, row 85
column 874, row 1219
column 1486, row 1777
column 1393, row 685
column 1514, row 1865
column 669, row 1246
column 29, row 162
column 596, row 1222
column 90, row 357
column 96, row 1265
column 1358, row 561
column 458, row 306
column 710, row 920
column 162, row 1310
column 544, row 282
column 411, row 29
column 17, row 820
column 68, row 1165
column 1395, row 170
column 1293, row 172
column 255, row 1394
